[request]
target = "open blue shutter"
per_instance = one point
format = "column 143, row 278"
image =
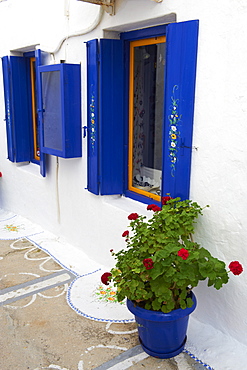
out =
column 39, row 56
column 8, row 109
column 17, row 107
column 92, row 117
column 105, row 116
column 182, row 39
column 111, row 116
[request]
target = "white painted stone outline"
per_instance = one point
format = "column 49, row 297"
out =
column 37, row 293
column 118, row 332
column 79, row 312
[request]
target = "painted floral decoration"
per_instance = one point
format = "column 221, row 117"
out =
column 162, row 263
column 107, row 295
column 13, row 227
column 92, row 123
column 174, row 119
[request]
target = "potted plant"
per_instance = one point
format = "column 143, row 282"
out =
column 158, row 270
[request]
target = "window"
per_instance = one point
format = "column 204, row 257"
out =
column 28, row 121
column 20, row 92
column 146, row 108
column 140, row 112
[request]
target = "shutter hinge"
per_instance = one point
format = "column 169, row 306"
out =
column 84, row 131
column 188, row 147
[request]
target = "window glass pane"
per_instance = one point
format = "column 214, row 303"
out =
column 147, row 116
column 52, row 117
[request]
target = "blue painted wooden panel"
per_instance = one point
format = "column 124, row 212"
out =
column 18, row 108
column 182, row 39
column 61, row 109
column 8, row 109
column 21, row 108
column 92, row 117
column 71, row 90
column 111, row 116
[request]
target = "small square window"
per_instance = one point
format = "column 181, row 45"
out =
column 61, row 107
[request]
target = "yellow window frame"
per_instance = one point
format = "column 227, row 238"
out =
column 133, row 44
column 34, row 110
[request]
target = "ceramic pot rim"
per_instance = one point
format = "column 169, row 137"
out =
column 161, row 316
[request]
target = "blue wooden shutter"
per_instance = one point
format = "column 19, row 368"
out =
column 17, row 106
column 181, row 57
column 111, row 116
column 8, row 109
column 105, row 130
column 40, row 56
column 92, row 117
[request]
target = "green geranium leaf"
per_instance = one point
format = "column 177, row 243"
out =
column 156, row 305
column 218, row 284
column 156, row 271
column 189, row 302
column 168, row 307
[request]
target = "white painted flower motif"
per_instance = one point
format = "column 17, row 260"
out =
column 92, row 114
column 174, row 128
column 173, row 144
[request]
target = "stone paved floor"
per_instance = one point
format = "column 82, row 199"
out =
column 39, row 330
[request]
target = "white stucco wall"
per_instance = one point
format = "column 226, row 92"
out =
column 60, row 202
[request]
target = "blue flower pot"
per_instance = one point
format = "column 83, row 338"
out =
column 162, row 335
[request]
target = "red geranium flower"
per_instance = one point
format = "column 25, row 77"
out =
column 164, row 200
column 235, row 267
column 111, row 250
column 105, row 278
column 1, row 175
column 183, row 253
column 133, row 216
column 125, row 233
column 148, row 263
column 153, row 207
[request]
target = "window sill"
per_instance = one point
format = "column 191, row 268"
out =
column 141, row 198
column 126, row 204
column 30, row 168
